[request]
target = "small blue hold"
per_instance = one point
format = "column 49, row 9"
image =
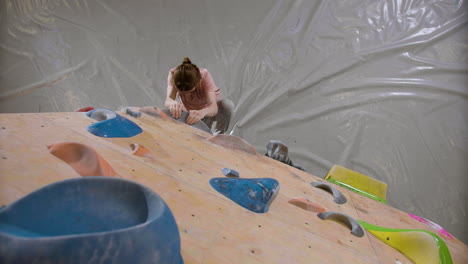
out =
column 230, row 173
column 255, row 195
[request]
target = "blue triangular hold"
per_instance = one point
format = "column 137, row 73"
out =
column 253, row 194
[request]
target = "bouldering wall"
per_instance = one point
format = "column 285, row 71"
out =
column 379, row 87
column 270, row 213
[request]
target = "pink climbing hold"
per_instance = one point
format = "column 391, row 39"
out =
column 307, row 205
column 233, row 142
column 436, row 226
column 141, row 151
column 154, row 111
column 82, row 158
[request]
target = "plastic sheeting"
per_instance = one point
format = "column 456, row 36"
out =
column 379, row 87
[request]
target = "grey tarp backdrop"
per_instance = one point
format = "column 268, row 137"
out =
column 379, row 87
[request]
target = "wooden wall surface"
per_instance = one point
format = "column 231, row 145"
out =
column 213, row 229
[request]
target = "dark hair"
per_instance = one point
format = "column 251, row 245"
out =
column 186, row 75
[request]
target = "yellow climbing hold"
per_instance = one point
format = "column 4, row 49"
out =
column 421, row 246
column 357, row 182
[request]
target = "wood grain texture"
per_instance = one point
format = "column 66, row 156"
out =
column 213, row 229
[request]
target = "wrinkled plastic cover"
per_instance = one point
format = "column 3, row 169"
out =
column 379, row 87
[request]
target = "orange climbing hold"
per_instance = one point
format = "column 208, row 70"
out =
column 307, row 205
column 85, row 109
column 82, row 158
column 141, row 151
column 233, row 142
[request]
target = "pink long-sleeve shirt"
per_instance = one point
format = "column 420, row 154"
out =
column 198, row 99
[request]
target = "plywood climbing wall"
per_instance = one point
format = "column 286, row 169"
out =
column 213, row 228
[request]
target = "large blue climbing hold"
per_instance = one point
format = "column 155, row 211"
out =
column 253, row 194
column 89, row 220
column 111, row 124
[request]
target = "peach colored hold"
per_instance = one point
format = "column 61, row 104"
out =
column 233, row 142
column 82, row 158
column 154, row 111
column 141, row 151
column 307, row 205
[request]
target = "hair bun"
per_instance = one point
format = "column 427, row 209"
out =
column 186, row 61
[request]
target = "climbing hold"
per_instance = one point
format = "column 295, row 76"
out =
column 127, row 220
column 436, row 226
column 85, row 109
column 101, row 114
column 253, row 194
column 141, row 151
column 352, row 224
column 358, row 182
column 129, row 111
column 82, row 158
column 230, row 173
column 339, row 197
column 153, row 111
column 183, row 117
column 307, row 205
column 277, row 150
column 111, row 124
column 421, row 246
column 233, row 142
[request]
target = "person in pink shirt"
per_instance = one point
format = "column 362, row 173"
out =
column 193, row 90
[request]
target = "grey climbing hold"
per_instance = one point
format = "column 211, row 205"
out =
column 350, row 222
column 230, row 173
column 277, row 150
column 132, row 113
column 339, row 197
column 101, row 114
